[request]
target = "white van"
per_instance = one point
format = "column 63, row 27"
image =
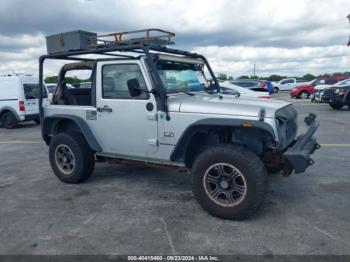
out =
column 19, row 100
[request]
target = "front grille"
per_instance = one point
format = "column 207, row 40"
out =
column 328, row 95
column 287, row 126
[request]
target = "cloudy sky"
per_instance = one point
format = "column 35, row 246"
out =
column 291, row 37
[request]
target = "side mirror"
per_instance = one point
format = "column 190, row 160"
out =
column 134, row 87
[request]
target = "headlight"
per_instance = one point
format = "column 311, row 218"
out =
column 337, row 90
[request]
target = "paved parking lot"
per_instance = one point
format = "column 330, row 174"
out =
column 134, row 210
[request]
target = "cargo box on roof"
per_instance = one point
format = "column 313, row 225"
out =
column 74, row 40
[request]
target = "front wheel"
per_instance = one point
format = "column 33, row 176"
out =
column 71, row 158
column 304, row 95
column 229, row 182
column 336, row 106
column 276, row 89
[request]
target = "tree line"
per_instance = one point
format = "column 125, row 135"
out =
column 69, row 80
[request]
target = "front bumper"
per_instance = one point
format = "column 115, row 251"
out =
column 343, row 99
column 297, row 156
column 294, row 93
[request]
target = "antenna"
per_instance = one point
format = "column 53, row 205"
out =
column 348, row 17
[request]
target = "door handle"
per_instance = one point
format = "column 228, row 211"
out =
column 104, row 109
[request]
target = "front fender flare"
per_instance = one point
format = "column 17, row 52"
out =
column 181, row 145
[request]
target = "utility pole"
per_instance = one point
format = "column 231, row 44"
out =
column 348, row 17
column 254, row 71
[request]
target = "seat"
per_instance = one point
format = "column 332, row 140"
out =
column 79, row 96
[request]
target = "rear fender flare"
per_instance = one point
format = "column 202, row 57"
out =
column 51, row 123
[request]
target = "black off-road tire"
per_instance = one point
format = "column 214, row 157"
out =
column 83, row 157
column 336, row 106
column 9, row 120
column 250, row 167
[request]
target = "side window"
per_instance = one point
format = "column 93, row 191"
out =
column 289, row 81
column 250, row 84
column 115, row 79
column 331, row 81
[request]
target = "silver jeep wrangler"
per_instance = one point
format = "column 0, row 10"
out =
column 155, row 105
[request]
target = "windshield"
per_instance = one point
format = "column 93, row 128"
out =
column 345, row 82
column 182, row 77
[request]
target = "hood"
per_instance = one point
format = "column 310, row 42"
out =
column 203, row 103
column 303, row 86
column 244, row 91
column 321, row 87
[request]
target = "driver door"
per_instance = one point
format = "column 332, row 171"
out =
column 126, row 126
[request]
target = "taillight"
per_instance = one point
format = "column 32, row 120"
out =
column 21, row 106
column 264, row 96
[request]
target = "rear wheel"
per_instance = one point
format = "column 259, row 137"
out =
column 71, row 158
column 229, row 182
column 336, row 106
column 304, row 95
column 9, row 120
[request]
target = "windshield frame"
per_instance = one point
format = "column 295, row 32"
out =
column 197, row 66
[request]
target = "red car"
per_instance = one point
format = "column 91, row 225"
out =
column 305, row 91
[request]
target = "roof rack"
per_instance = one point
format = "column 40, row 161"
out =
column 152, row 36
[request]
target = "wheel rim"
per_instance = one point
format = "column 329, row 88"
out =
column 65, row 160
column 303, row 95
column 225, row 185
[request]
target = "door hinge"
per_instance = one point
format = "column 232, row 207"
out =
column 153, row 142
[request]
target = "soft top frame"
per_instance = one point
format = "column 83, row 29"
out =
column 149, row 49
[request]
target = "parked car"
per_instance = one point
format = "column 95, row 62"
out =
column 19, row 102
column 305, row 91
column 50, row 89
column 254, row 85
column 318, row 94
column 287, row 84
column 228, row 88
column 337, row 96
